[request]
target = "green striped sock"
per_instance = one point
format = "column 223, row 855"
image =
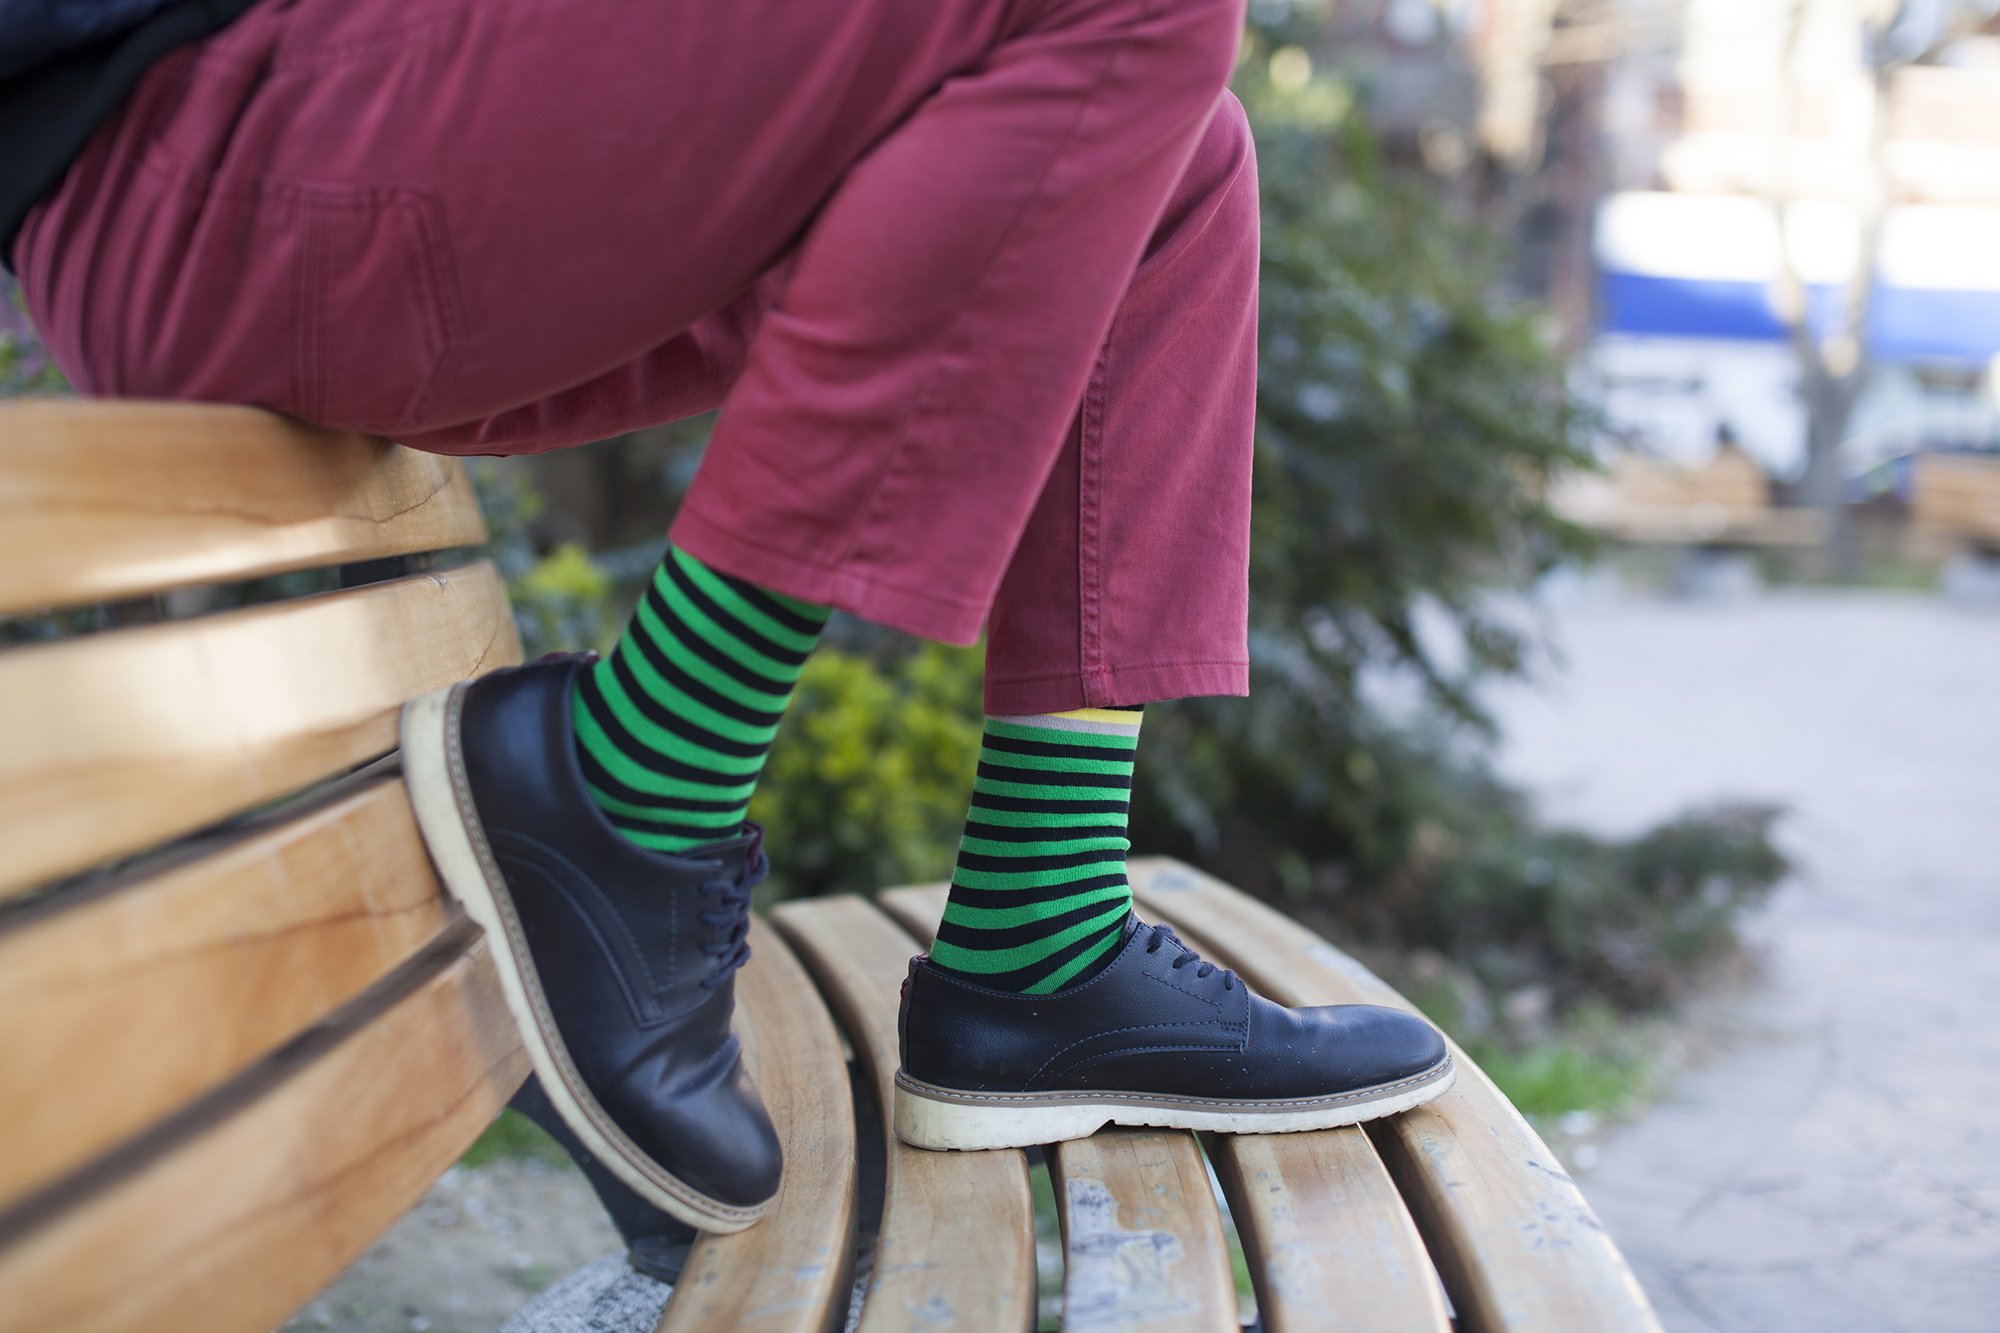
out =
column 673, row 726
column 1039, row 898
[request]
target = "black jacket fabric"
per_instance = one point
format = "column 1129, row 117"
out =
column 34, row 32
column 65, row 67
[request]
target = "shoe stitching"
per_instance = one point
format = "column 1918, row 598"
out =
column 528, row 866
column 1088, row 1060
column 624, row 928
column 1175, row 985
column 998, row 1100
column 1112, row 1032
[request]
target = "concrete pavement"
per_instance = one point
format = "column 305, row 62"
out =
column 1834, row 1164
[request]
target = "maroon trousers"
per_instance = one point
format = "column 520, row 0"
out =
column 973, row 282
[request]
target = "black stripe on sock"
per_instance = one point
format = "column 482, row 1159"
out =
column 1049, row 967
column 986, row 939
column 688, row 730
column 1043, row 778
column 599, row 777
column 729, row 624
column 1021, row 978
column 1062, row 861
column 770, row 605
column 1036, row 805
column 666, row 766
column 975, row 828
column 708, row 652
column 1009, row 745
column 1037, row 893
column 701, row 693
column 627, row 824
column 634, row 750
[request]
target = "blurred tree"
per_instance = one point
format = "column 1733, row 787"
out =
column 1833, row 354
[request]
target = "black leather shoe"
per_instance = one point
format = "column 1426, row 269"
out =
column 618, row 963
column 1159, row 1037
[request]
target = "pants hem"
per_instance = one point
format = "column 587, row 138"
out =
column 1114, row 686
column 915, row 611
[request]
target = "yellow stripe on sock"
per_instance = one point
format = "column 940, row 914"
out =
column 1115, row 716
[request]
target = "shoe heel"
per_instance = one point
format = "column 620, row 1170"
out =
column 953, row 1126
column 424, row 736
column 427, row 730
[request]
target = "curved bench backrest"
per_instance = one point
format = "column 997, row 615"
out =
column 241, row 1029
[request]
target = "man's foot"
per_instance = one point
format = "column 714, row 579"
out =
column 618, row 962
column 1159, row 1037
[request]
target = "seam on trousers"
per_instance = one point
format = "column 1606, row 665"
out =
column 893, row 465
column 1090, row 527
column 1112, row 672
column 306, row 309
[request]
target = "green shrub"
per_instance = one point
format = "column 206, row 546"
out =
column 867, row 785
column 25, row 367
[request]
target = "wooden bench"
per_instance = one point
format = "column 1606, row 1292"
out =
column 1955, row 502
column 242, row 1030
column 1724, row 503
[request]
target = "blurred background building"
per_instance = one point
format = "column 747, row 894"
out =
column 1772, row 223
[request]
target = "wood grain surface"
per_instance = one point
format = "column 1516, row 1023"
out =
column 233, row 1228
column 101, row 501
column 117, row 1010
column 956, row 1246
column 1143, row 1245
column 1957, row 495
column 116, row 741
column 1328, row 1239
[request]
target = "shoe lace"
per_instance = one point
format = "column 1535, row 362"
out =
column 729, row 919
column 1164, row 934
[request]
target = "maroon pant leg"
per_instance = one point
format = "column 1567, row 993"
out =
column 1131, row 582
column 501, row 228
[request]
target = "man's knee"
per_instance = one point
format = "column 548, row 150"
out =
column 1223, row 170
column 1228, row 138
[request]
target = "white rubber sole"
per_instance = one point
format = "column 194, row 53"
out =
column 434, row 771
column 942, row 1119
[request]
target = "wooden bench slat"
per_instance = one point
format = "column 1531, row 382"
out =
column 174, row 982
column 1513, row 1238
column 116, row 741
column 1956, row 496
column 1143, row 1244
column 792, row 1271
column 1325, row 1233
column 101, row 501
column 1327, row 1237
column 239, row 1225
column 956, row 1245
